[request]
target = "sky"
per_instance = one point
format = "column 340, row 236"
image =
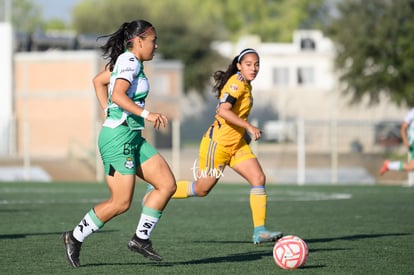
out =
column 61, row 9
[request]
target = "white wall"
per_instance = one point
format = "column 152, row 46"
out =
column 319, row 100
column 6, row 68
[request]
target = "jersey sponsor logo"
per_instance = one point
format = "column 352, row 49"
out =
column 127, row 69
column 234, row 87
column 132, row 59
column 241, row 153
column 129, row 163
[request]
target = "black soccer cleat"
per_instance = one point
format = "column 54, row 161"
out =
column 73, row 248
column 143, row 247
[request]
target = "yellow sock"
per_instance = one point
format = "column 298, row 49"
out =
column 184, row 190
column 258, row 201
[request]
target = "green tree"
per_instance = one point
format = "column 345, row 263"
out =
column 272, row 20
column 187, row 35
column 105, row 16
column 184, row 33
column 55, row 24
column 187, row 28
column 375, row 50
column 25, row 15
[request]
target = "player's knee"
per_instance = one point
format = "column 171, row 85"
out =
column 171, row 188
column 202, row 193
column 122, row 207
column 168, row 188
column 259, row 180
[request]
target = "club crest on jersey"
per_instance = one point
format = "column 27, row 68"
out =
column 233, row 87
column 129, row 163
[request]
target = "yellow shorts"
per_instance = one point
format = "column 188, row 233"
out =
column 214, row 157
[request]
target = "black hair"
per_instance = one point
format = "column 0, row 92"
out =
column 221, row 77
column 120, row 40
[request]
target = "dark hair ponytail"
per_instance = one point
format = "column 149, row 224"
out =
column 120, row 40
column 221, row 77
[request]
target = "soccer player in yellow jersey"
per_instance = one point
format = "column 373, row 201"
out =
column 226, row 142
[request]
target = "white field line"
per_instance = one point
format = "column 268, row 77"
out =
column 11, row 202
column 273, row 195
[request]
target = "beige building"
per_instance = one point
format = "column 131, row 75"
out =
column 56, row 110
column 55, row 114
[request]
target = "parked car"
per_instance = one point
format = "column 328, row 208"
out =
column 387, row 133
column 279, row 131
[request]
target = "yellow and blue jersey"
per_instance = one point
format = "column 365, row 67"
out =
column 238, row 92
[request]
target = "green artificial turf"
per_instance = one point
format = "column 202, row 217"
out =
column 349, row 229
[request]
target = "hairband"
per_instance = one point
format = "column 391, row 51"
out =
column 148, row 29
column 142, row 33
column 244, row 52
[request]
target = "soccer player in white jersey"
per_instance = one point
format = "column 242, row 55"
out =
column 407, row 135
column 121, row 90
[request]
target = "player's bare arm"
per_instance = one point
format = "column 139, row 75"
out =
column 224, row 110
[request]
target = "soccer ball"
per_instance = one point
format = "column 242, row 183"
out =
column 290, row 252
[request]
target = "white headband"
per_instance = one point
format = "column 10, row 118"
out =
column 243, row 53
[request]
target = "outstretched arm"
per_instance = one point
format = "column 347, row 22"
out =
column 100, row 83
column 224, row 110
column 403, row 132
column 120, row 97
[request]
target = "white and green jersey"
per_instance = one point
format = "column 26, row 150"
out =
column 409, row 119
column 127, row 67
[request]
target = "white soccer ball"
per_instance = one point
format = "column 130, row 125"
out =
column 290, row 252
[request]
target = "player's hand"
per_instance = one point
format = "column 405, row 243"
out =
column 254, row 132
column 159, row 120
